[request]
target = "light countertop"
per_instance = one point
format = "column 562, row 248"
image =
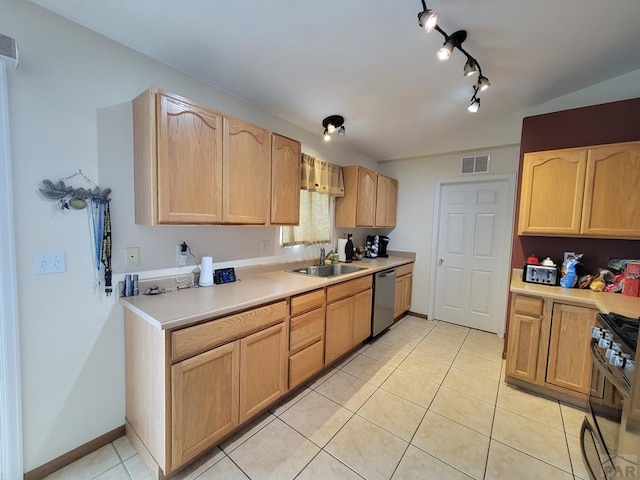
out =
column 605, row 302
column 179, row 308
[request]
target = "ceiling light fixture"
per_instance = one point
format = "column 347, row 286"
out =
column 451, row 42
column 332, row 124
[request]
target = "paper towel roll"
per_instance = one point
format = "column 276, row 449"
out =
column 342, row 242
column 206, row 272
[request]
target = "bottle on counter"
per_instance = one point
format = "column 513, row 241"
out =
column 348, row 249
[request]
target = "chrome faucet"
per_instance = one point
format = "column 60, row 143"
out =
column 323, row 256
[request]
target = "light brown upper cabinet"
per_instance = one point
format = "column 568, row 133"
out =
column 552, row 192
column 285, row 180
column 246, row 173
column 386, row 201
column 370, row 199
column 612, row 192
column 194, row 165
column 177, row 161
column 590, row 192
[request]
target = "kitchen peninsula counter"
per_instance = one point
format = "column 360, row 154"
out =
column 255, row 286
column 605, row 302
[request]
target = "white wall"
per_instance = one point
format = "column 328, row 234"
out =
column 69, row 109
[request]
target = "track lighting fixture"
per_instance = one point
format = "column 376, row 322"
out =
column 332, row 124
column 427, row 21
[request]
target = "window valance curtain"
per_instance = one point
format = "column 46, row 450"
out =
column 321, row 177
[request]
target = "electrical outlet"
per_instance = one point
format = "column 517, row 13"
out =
column 266, row 246
column 181, row 254
column 49, row 262
column 133, row 256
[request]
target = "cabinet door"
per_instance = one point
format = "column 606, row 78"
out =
column 522, row 349
column 263, row 369
column 246, row 172
column 366, row 203
column 552, row 191
column 204, row 401
column 361, row 317
column 285, row 181
column 569, row 363
column 612, row 193
column 386, row 201
column 189, row 169
column 338, row 329
column 407, row 285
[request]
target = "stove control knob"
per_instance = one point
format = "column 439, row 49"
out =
column 597, row 332
column 604, row 343
column 613, row 349
column 619, row 360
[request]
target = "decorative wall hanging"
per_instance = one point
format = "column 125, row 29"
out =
column 97, row 201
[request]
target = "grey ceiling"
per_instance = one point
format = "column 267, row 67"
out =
column 369, row 61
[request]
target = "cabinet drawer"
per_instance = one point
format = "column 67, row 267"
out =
column 404, row 269
column 307, row 301
column 529, row 305
column 348, row 288
column 305, row 363
column 306, row 329
column 199, row 338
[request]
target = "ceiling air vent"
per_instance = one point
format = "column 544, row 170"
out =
column 9, row 49
column 477, row 164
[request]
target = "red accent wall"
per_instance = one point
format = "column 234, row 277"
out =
column 595, row 125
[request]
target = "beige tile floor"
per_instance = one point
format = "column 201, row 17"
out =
column 424, row 401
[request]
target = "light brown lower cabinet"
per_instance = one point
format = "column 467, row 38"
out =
column 404, row 284
column 569, row 363
column 548, row 345
column 348, row 316
column 263, row 369
column 190, row 387
column 204, row 400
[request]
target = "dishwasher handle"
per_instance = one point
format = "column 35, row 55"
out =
column 390, row 272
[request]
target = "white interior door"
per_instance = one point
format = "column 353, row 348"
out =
column 473, row 248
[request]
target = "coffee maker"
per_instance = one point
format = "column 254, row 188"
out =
column 382, row 247
column 376, row 246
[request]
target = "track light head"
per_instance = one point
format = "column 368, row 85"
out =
column 428, row 20
column 474, row 106
column 451, row 41
column 470, row 67
column 483, row 83
column 445, row 51
column 326, row 136
column 341, row 131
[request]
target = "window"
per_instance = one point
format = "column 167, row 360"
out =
column 320, row 183
column 315, row 221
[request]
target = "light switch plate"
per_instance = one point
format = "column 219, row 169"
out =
column 49, row 262
column 133, row 256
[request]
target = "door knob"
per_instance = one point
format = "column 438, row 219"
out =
column 440, row 261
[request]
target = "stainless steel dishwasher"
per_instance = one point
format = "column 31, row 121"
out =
column 384, row 294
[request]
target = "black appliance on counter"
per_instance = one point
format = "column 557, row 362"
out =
column 610, row 433
column 376, row 246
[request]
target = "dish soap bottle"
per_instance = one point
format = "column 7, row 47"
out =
column 348, row 249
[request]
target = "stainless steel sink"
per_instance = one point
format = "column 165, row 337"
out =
column 326, row 271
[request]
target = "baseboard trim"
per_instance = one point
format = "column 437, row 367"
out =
column 75, row 454
column 419, row 315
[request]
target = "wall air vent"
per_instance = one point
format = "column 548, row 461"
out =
column 477, row 164
column 9, row 50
